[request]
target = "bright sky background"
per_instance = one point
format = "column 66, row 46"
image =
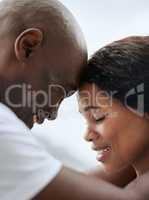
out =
column 102, row 22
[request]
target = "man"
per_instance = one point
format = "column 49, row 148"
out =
column 41, row 45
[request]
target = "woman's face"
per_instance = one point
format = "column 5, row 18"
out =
column 119, row 136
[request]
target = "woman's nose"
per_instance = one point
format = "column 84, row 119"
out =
column 90, row 136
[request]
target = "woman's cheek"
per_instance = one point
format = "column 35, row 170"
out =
column 105, row 130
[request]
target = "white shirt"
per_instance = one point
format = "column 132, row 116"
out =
column 25, row 166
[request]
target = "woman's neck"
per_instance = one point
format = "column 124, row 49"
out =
column 142, row 165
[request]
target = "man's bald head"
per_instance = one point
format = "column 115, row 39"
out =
column 43, row 44
column 18, row 15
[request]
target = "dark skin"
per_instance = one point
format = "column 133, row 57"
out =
column 71, row 185
column 120, row 179
column 25, row 58
column 28, row 59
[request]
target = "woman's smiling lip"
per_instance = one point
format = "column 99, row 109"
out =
column 100, row 147
column 103, row 152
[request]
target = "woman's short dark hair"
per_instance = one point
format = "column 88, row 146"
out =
column 121, row 66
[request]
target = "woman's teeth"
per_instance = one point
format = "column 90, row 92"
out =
column 103, row 154
column 104, row 150
column 107, row 149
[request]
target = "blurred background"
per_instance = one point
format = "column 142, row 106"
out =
column 102, row 22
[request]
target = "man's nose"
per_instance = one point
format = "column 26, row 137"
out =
column 90, row 135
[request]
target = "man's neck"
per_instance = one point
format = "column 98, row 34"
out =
column 13, row 97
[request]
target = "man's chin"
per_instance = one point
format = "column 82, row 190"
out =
column 37, row 119
column 30, row 123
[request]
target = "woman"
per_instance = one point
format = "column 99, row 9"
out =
column 114, row 100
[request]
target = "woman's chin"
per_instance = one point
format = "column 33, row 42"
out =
column 111, row 167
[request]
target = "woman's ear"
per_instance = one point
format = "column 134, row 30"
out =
column 146, row 115
column 27, row 43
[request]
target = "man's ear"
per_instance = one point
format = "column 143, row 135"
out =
column 27, row 43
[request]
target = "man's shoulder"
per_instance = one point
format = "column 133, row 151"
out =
column 9, row 120
column 6, row 112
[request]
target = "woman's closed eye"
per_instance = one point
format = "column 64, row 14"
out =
column 100, row 119
column 98, row 116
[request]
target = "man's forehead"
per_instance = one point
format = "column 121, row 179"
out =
column 70, row 88
column 68, row 79
column 61, row 90
column 71, row 83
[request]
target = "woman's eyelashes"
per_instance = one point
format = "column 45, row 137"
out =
column 100, row 119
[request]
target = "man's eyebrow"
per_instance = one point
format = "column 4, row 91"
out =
column 87, row 108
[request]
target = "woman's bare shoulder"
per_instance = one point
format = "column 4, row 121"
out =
column 140, row 186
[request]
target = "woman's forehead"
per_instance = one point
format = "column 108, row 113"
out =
column 91, row 95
